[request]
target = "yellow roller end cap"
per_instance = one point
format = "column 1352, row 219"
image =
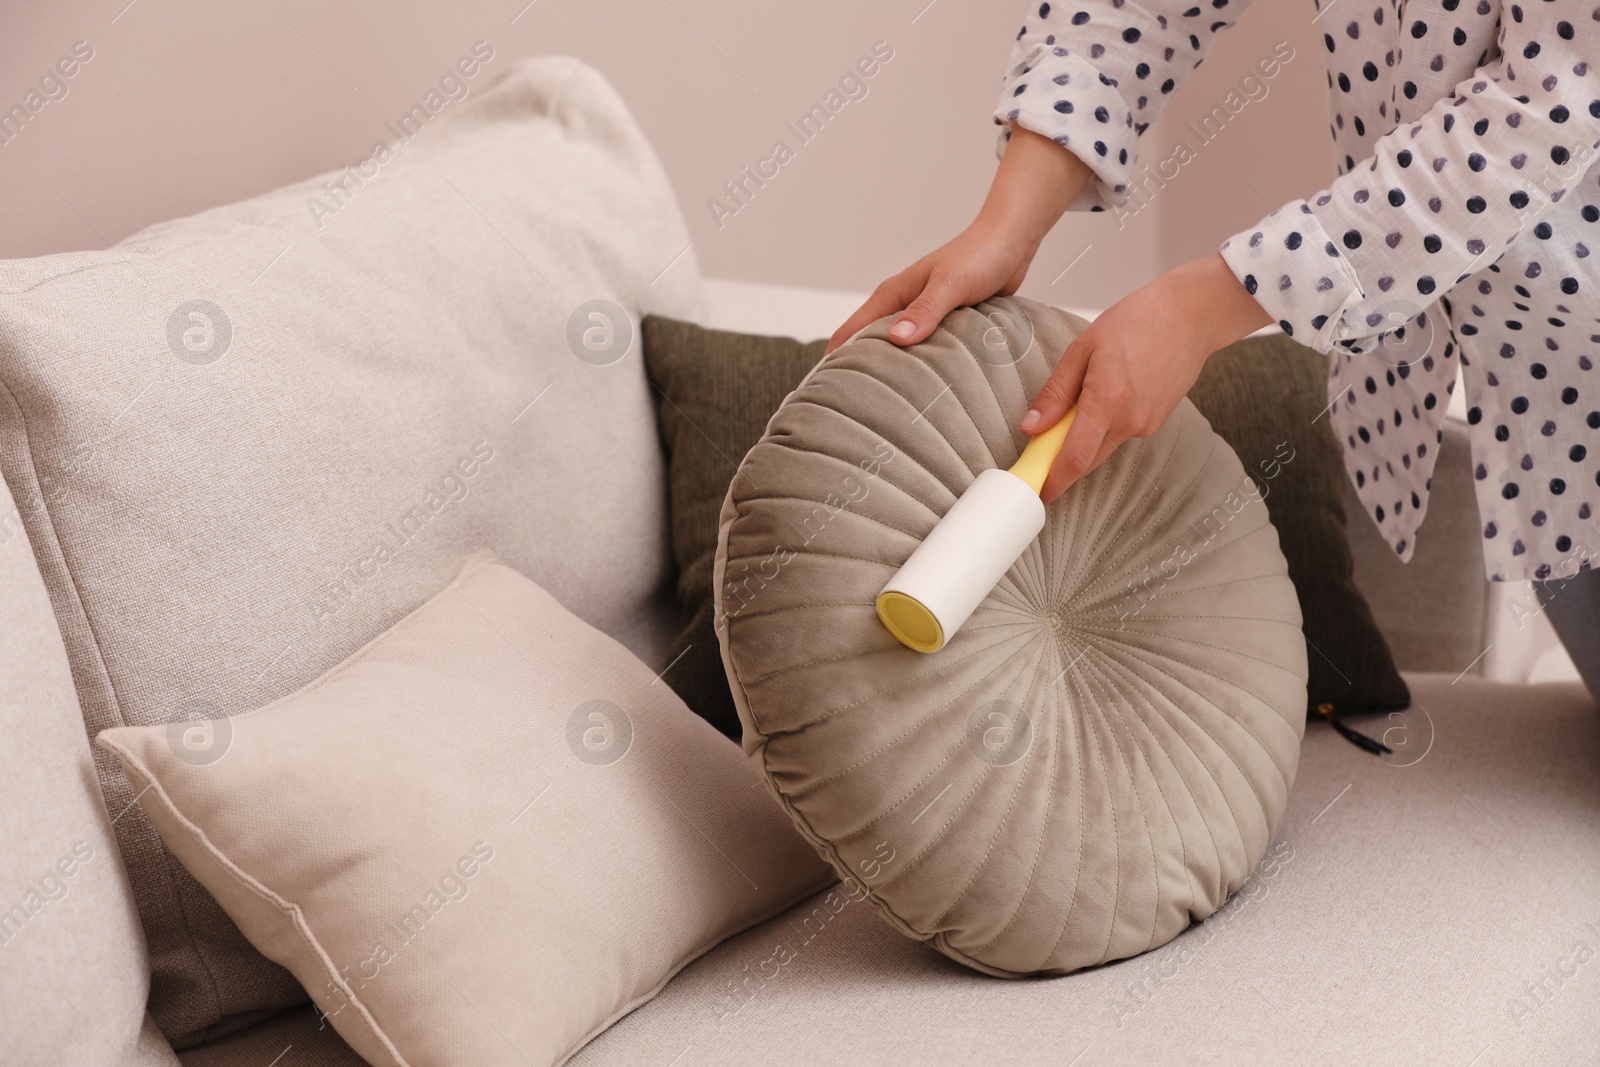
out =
column 912, row 624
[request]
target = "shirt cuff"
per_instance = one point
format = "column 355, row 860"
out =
column 1301, row 278
column 1057, row 95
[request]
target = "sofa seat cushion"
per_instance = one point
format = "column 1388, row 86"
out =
column 1430, row 907
column 294, row 1038
column 246, row 443
column 1102, row 752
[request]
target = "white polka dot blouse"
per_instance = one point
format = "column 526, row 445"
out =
column 1459, row 230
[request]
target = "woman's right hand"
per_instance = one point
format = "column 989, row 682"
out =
column 982, row 261
column 1036, row 181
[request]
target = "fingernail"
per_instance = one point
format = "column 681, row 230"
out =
column 1030, row 420
column 902, row 329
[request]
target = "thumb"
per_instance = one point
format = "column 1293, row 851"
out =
column 937, row 299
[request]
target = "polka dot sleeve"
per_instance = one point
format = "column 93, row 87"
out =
column 1443, row 193
column 1093, row 75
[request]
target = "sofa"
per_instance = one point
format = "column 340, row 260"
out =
column 167, row 539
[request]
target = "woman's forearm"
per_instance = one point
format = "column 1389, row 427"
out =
column 1036, row 182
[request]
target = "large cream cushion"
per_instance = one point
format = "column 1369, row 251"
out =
column 246, row 443
column 1102, row 753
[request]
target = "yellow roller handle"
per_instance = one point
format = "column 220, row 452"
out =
column 1034, row 463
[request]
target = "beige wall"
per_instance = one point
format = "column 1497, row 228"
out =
column 187, row 104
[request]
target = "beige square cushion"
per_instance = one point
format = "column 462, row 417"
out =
column 483, row 838
column 73, row 967
column 229, row 498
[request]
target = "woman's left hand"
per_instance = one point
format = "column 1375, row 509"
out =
column 1128, row 370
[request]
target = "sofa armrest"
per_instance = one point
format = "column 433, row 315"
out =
column 1435, row 611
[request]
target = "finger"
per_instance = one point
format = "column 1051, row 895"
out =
column 1060, row 391
column 922, row 316
column 1132, row 426
column 892, row 296
column 1108, row 448
column 1093, row 437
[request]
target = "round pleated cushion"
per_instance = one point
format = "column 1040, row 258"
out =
column 1102, row 753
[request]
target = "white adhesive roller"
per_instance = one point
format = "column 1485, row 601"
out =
column 961, row 561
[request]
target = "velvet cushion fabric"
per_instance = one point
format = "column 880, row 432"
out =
column 1101, row 754
column 1265, row 396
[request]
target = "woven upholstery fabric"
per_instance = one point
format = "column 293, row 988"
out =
column 244, row 444
column 1102, row 753
column 70, row 948
column 1455, row 889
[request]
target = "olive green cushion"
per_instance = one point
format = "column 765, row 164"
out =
column 1102, row 753
column 1268, row 396
column 715, row 391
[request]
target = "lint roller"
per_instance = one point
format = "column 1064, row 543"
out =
column 969, row 550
